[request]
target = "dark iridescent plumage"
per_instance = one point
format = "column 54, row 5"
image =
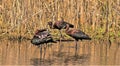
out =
column 60, row 25
column 77, row 35
column 41, row 37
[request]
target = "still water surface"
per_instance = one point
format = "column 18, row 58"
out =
column 92, row 52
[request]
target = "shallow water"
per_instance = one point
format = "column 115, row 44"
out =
column 92, row 52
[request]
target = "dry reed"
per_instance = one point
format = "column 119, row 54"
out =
column 98, row 18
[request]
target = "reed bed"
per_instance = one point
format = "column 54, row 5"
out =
column 98, row 18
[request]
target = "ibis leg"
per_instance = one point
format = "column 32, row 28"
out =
column 40, row 53
column 45, row 50
column 76, row 49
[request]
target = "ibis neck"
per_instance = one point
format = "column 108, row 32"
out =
column 67, row 28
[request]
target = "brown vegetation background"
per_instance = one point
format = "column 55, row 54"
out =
column 98, row 18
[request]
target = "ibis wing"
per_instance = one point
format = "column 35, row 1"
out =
column 70, row 25
column 42, row 30
column 37, row 40
column 80, row 35
column 63, row 25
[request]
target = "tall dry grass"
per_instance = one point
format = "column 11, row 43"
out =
column 98, row 18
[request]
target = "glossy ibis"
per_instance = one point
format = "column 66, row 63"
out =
column 77, row 35
column 40, row 38
column 60, row 24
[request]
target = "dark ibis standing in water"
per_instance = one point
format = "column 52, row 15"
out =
column 77, row 35
column 61, row 24
column 40, row 38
